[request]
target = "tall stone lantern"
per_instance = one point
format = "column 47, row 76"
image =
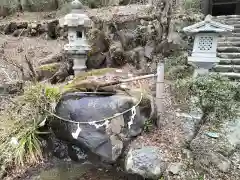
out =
column 77, row 23
column 206, row 33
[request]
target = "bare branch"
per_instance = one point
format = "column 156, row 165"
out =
column 31, row 68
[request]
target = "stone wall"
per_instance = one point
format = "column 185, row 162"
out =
column 135, row 34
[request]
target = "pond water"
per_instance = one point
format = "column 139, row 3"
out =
column 77, row 171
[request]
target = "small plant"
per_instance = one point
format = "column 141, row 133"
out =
column 148, row 125
column 201, row 177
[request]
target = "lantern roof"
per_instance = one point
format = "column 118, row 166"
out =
column 77, row 17
column 208, row 25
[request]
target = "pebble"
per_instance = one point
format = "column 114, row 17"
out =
column 175, row 168
column 212, row 135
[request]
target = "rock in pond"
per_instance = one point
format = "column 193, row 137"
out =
column 104, row 140
column 147, row 162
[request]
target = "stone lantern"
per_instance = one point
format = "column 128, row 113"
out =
column 77, row 23
column 206, row 33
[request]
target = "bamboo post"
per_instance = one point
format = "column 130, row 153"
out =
column 160, row 90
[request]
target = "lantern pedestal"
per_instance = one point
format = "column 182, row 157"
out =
column 79, row 63
column 202, row 64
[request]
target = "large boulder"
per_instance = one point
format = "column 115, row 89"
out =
column 55, row 72
column 99, row 48
column 47, row 71
column 214, row 149
column 105, row 139
column 146, row 161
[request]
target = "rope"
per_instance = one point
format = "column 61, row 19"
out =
column 98, row 121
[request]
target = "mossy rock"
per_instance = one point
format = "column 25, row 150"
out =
column 48, row 70
column 82, row 83
column 53, row 67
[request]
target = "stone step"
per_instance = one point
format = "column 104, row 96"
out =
column 231, row 49
column 229, row 55
column 237, row 25
column 229, row 43
column 230, row 22
column 227, row 68
column 222, row 20
column 234, row 35
column 228, row 17
column 231, row 39
column 236, row 29
column 229, row 61
column 231, row 75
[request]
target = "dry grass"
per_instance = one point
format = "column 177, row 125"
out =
column 20, row 142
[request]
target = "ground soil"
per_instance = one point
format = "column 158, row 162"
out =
column 13, row 51
column 29, row 17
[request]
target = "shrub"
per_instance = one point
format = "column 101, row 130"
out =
column 177, row 67
column 216, row 96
